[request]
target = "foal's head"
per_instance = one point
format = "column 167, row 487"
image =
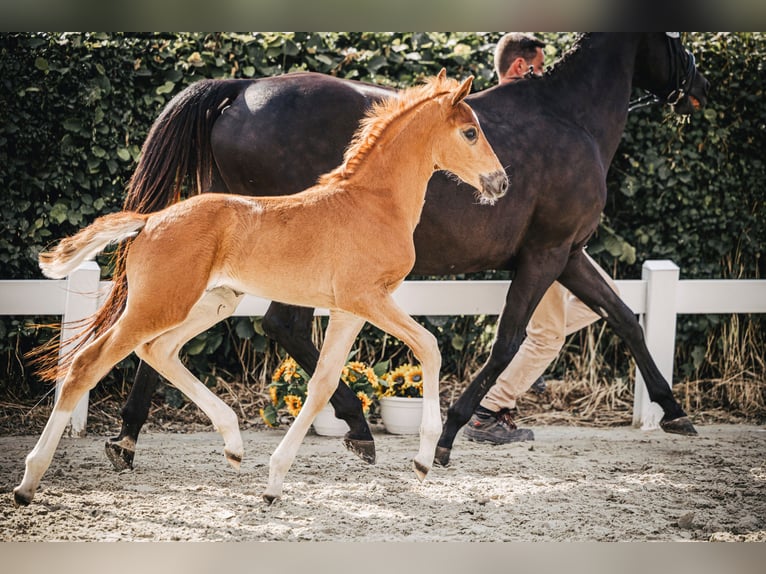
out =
column 459, row 145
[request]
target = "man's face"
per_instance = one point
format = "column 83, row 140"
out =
column 538, row 62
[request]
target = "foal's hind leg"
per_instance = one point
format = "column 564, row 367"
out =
column 89, row 366
column 162, row 354
column 339, row 337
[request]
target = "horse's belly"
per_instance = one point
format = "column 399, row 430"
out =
column 286, row 287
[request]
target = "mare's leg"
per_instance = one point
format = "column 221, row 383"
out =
column 582, row 279
column 535, row 273
column 290, row 326
column 121, row 449
column 89, row 366
column 162, row 354
column 341, row 333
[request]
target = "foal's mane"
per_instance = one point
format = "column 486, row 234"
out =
column 379, row 117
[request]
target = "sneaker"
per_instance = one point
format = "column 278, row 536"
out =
column 539, row 386
column 497, row 428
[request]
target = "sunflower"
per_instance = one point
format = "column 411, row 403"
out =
column 365, row 400
column 293, row 404
column 404, row 381
column 286, row 370
column 415, row 378
column 273, row 394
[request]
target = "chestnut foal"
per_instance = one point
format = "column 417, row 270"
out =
column 190, row 265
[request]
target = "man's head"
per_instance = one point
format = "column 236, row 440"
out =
column 515, row 53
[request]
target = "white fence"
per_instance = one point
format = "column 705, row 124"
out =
column 658, row 297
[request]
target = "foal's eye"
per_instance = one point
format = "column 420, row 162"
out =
column 471, row 134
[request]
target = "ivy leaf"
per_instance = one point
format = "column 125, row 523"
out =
column 72, row 125
column 58, row 213
column 458, row 342
column 244, row 329
column 166, row 88
column 41, row 64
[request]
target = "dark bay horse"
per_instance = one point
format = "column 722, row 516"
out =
column 556, row 134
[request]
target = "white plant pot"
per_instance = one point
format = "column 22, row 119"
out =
column 401, row 415
column 327, row 424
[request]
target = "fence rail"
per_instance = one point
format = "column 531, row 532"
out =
column 658, row 297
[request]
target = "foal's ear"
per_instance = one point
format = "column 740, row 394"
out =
column 462, row 91
column 442, row 74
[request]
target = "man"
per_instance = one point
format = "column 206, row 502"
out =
column 559, row 313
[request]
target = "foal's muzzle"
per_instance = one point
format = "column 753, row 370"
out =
column 493, row 187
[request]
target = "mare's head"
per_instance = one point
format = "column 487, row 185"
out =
column 459, row 145
column 668, row 71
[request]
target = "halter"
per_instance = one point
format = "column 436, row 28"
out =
column 682, row 71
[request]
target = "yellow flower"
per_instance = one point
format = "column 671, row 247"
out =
column 404, row 381
column 365, row 400
column 415, row 375
column 293, row 404
column 273, row 395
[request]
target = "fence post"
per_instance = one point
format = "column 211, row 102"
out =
column 659, row 323
column 81, row 303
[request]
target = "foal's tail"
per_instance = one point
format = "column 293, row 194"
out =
column 89, row 242
column 50, row 363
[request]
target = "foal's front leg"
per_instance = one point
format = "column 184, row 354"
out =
column 385, row 314
column 342, row 330
column 290, row 326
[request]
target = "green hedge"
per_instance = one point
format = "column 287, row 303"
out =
column 76, row 108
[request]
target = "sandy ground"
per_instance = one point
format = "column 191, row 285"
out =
column 571, row 484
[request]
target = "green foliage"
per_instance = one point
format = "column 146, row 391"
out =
column 76, row 108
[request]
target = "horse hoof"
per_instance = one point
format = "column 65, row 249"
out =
column 681, row 425
column 420, row 469
column 20, row 499
column 270, row 498
column 120, row 456
column 364, row 449
column 442, row 455
column 234, row 459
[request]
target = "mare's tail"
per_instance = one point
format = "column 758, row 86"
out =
column 89, row 242
column 177, row 152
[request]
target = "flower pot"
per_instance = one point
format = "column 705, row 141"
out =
column 401, row 415
column 327, row 424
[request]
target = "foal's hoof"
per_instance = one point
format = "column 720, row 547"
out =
column 681, row 425
column 234, row 459
column 20, row 499
column 420, row 469
column 364, row 449
column 119, row 455
column 442, row 455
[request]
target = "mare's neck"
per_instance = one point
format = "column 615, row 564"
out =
column 592, row 84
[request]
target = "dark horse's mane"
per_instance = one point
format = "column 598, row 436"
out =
column 565, row 68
